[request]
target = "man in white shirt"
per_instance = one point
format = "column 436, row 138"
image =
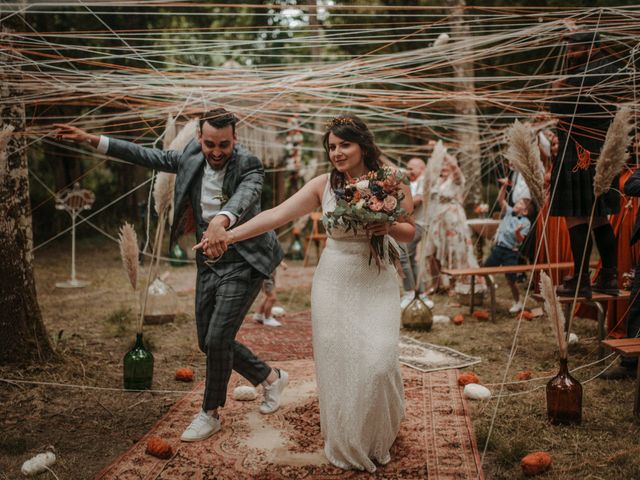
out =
column 415, row 172
column 218, row 185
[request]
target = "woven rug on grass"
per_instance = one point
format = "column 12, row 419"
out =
column 436, row 440
column 292, row 341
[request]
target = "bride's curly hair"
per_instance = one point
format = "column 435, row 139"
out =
column 352, row 129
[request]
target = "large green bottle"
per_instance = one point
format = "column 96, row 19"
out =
column 138, row 367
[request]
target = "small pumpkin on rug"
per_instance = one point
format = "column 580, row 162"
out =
column 184, row 375
column 466, row 378
column 527, row 315
column 458, row 319
column 535, row 463
column 158, row 447
column 481, row 314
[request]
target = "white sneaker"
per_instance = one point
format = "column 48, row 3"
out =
column 202, row 426
column 406, row 299
column 278, row 311
column 258, row 317
column 516, row 307
column 272, row 393
column 427, row 302
column 271, row 322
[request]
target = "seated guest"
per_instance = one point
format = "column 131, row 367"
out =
column 511, row 232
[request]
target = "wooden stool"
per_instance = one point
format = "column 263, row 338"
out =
column 315, row 236
column 629, row 347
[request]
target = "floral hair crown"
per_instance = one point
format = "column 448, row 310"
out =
column 334, row 122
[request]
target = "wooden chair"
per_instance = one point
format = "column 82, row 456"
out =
column 314, row 237
column 629, row 347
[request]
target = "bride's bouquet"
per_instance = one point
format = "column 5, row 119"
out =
column 371, row 199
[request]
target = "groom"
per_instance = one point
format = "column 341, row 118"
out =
column 218, row 185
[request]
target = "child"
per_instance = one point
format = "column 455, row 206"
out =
column 512, row 231
column 264, row 314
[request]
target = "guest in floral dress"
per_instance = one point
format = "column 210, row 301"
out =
column 449, row 242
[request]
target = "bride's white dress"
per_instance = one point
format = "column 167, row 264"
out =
column 355, row 315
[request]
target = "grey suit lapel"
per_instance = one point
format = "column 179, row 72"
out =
column 230, row 176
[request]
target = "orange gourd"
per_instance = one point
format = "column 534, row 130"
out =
column 184, row 375
column 467, row 378
column 481, row 314
column 535, row 463
column 458, row 319
column 524, row 375
column 159, row 447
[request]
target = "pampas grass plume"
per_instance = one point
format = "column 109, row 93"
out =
column 170, row 132
column 554, row 312
column 129, row 252
column 163, row 192
column 432, row 174
column 523, row 153
column 614, row 151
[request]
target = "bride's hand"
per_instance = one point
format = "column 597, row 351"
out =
column 378, row 229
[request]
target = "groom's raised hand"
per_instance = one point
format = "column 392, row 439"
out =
column 69, row 132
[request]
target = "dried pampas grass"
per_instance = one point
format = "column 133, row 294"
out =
column 170, row 132
column 184, row 136
column 163, row 192
column 129, row 252
column 614, row 151
column 431, row 176
column 554, row 312
column 523, row 153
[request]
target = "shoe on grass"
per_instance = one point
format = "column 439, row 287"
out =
column 516, row 307
column 202, row 426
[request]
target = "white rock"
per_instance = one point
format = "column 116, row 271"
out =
column 244, row 393
column 38, row 464
column 441, row 319
column 573, row 339
column 473, row 391
column 277, row 311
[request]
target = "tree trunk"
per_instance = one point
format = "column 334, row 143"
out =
column 23, row 337
column 468, row 134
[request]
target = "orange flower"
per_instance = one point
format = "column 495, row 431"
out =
column 375, row 205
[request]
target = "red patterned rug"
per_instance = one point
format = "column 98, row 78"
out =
column 436, row 439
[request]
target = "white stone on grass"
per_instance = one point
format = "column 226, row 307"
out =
column 573, row 339
column 473, row 391
column 38, row 464
column 441, row 319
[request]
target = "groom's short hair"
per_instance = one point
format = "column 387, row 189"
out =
column 219, row 118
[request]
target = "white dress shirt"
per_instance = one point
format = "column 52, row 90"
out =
column 211, row 194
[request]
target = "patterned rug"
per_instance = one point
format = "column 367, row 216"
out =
column 292, row 341
column 436, row 440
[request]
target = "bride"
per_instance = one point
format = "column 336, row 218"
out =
column 354, row 308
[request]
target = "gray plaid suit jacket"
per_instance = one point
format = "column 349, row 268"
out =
column 242, row 186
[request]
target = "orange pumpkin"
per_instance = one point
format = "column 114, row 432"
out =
column 527, row 315
column 524, row 375
column 159, row 447
column 467, row 378
column 458, row 319
column 184, row 375
column 481, row 314
column 535, row 463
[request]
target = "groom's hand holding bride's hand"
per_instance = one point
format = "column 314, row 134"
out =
column 215, row 241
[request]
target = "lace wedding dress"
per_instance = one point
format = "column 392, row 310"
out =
column 356, row 321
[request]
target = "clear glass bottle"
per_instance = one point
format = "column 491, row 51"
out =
column 162, row 303
column 564, row 398
column 138, row 367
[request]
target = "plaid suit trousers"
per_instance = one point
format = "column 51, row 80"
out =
column 224, row 295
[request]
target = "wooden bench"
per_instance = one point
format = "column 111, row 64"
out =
column 486, row 272
column 629, row 347
column 597, row 300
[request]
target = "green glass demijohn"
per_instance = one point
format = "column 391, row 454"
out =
column 178, row 256
column 296, row 249
column 138, row 367
column 417, row 315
